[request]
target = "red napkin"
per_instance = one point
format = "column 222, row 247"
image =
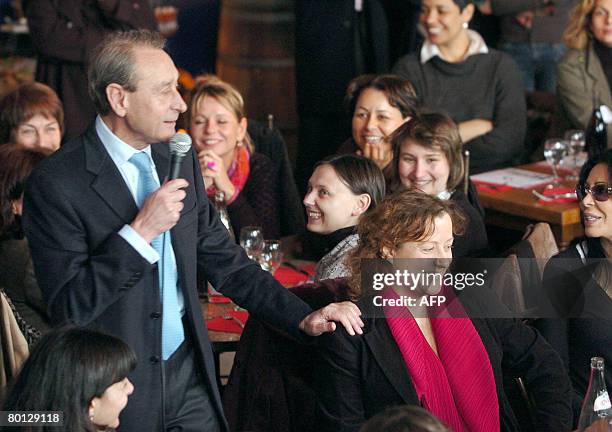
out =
column 228, row 325
column 557, row 191
column 490, row 187
column 290, row 277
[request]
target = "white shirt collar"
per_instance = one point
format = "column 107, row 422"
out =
column 119, row 151
column 477, row 46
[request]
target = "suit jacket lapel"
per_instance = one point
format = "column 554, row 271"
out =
column 386, row 353
column 160, row 154
column 108, row 182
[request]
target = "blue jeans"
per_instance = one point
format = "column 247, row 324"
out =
column 537, row 63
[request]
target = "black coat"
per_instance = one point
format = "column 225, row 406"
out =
column 587, row 332
column 65, row 33
column 363, row 375
column 76, row 201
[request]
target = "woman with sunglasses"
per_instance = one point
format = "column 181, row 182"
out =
column 579, row 283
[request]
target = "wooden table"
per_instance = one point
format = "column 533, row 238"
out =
column 517, row 208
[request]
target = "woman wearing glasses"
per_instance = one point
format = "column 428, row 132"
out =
column 579, row 283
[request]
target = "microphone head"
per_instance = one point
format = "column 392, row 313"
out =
column 180, row 143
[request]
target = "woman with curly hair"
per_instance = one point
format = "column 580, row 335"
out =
column 449, row 359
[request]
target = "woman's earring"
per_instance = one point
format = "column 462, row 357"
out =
column 465, row 25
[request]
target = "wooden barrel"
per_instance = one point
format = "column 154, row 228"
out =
column 256, row 54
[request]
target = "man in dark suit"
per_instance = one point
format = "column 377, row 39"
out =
column 104, row 240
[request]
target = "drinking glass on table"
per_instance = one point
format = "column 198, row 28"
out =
column 555, row 149
column 271, row 256
column 252, row 241
column 576, row 141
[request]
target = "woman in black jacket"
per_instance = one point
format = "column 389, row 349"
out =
column 450, row 358
column 579, row 283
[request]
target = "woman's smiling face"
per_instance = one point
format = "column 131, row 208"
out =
column 597, row 215
column 330, row 204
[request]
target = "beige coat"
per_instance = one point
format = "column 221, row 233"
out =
column 581, row 81
column 13, row 346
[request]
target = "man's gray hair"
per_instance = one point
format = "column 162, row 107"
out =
column 113, row 62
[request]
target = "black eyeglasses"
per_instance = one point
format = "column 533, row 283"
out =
column 599, row 191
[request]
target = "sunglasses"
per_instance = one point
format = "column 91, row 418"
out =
column 599, row 191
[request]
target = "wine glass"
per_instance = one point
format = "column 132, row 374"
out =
column 251, row 240
column 271, row 256
column 555, row 150
column 576, row 140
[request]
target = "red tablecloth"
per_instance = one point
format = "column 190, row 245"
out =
column 227, row 323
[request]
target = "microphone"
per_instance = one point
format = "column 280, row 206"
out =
column 180, row 144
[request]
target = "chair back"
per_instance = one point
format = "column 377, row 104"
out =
column 268, row 140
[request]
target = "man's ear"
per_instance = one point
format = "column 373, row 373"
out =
column 118, row 99
column 362, row 204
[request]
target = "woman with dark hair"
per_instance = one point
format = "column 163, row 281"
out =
column 427, row 156
column 404, row 418
column 481, row 89
column 82, row 373
column 584, row 74
column 379, row 104
column 32, row 116
column 447, row 357
column 341, row 189
column 228, row 159
column 16, row 272
column 579, row 283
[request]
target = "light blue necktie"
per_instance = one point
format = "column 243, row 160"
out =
column 172, row 325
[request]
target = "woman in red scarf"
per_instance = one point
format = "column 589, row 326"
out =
column 412, row 352
column 227, row 158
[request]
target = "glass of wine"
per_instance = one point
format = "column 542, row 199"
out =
column 271, row 255
column 252, row 241
column 555, row 149
column 576, row 141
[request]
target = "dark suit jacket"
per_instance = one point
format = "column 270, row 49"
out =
column 75, row 203
column 363, row 375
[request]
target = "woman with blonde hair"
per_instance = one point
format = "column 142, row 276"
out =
column 229, row 164
column 584, row 73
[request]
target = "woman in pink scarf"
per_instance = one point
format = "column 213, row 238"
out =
column 412, row 352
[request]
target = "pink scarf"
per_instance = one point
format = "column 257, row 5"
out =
column 457, row 385
column 238, row 174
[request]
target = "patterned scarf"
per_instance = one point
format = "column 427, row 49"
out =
column 238, row 174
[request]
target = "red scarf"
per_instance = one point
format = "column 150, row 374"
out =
column 457, row 385
column 238, row 174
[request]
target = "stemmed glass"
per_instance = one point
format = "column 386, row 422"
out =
column 271, row 256
column 252, row 241
column 555, row 149
column 576, row 140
